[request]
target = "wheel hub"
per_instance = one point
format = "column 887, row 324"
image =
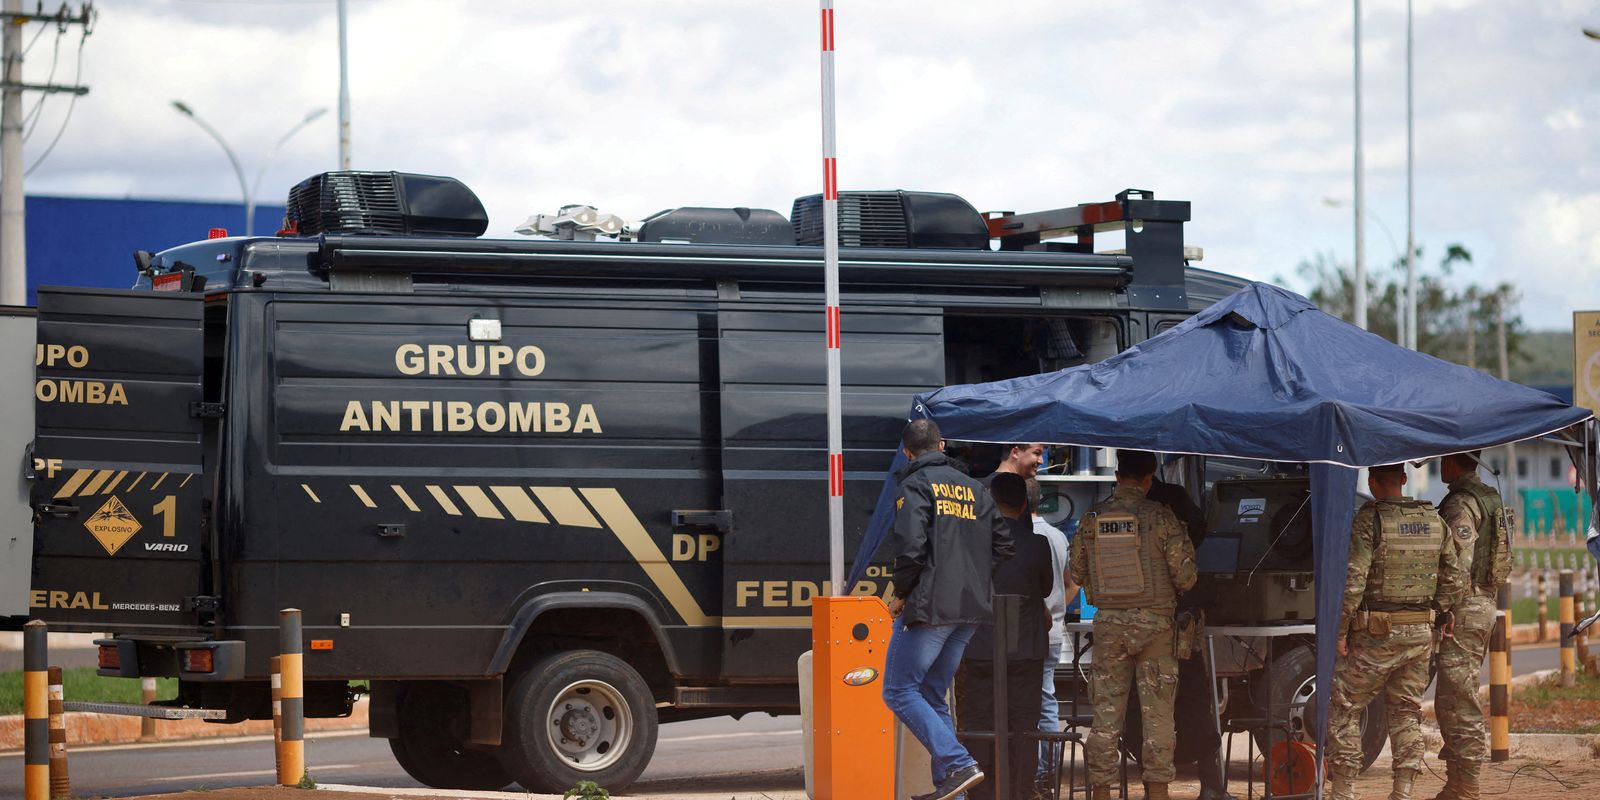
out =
column 578, row 724
column 590, row 725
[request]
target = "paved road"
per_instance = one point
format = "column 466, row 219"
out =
column 754, row 754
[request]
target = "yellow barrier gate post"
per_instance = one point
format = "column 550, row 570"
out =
column 60, row 786
column 35, row 711
column 292, row 752
column 1500, row 689
column 1568, row 654
column 851, row 729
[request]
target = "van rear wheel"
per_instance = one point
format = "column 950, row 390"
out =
column 582, row 715
column 432, row 747
column 1294, row 686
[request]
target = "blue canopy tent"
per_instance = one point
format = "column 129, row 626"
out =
column 1262, row 374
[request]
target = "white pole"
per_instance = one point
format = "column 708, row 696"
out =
column 1360, row 287
column 830, row 278
column 344, row 89
column 13, row 220
column 1412, row 323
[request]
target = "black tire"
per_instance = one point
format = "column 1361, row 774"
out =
column 603, row 730
column 1294, row 679
column 431, row 747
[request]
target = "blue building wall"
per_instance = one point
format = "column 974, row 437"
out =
column 89, row 241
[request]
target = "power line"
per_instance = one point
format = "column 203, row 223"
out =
column 77, row 74
column 31, row 120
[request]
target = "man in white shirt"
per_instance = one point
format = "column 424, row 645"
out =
column 1061, row 593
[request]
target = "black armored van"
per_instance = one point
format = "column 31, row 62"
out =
column 542, row 493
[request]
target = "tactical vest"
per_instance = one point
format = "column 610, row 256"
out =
column 1405, row 561
column 1127, row 568
column 1491, row 554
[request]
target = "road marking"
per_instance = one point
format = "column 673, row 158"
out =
column 220, row 740
column 711, row 737
column 255, row 773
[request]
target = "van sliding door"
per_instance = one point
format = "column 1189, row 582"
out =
column 117, row 460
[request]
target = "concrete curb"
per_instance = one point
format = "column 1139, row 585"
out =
column 1517, row 682
column 95, row 729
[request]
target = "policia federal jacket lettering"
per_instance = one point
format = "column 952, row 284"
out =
column 948, row 538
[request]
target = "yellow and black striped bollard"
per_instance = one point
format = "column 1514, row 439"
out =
column 1569, row 656
column 1500, row 689
column 1544, row 602
column 1502, row 600
column 277, row 709
column 60, row 784
column 35, row 711
column 291, row 698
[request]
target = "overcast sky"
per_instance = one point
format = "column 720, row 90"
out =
column 1243, row 107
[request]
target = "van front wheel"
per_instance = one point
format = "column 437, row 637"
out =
column 582, row 715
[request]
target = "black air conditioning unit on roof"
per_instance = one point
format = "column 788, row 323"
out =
column 392, row 203
column 897, row 219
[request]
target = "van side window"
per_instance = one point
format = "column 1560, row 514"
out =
column 982, row 348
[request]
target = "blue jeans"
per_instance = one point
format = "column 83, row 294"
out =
column 1049, row 710
column 917, row 673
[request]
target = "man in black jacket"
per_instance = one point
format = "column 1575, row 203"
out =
column 1028, row 573
column 948, row 537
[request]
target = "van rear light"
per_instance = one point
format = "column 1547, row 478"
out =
column 217, row 233
column 109, row 657
column 170, row 282
column 197, row 660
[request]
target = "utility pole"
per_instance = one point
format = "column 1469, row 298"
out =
column 344, row 88
column 1412, row 323
column 1360, row 192
column 1515, row 497
column 13, row 197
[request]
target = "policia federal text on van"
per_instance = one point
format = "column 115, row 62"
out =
column 542, row 493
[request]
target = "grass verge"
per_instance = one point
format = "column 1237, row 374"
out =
column 82, row 684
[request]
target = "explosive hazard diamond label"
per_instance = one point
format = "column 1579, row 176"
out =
column 113, row 525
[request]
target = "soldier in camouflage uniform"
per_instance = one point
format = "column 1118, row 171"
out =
column 1480, row 528
column 1132, row 558
column 1404, row 576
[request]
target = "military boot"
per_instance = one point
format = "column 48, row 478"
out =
column 1467, row 785
column 1402, row 784
column 1344, row 785
column 1155, row 791
column 1452, row 781
column 1100, row 793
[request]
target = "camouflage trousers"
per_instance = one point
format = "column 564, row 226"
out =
column 1132, row 647
column 1397, row 666
column 1460, row 665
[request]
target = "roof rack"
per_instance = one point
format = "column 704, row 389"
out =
column 1153, row 231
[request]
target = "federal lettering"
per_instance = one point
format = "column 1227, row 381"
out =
column 51, row 355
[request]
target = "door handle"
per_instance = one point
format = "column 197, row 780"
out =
column 57, row 511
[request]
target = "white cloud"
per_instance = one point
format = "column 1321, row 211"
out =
column 1242, row 108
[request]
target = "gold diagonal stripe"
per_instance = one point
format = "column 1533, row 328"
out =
column 565, row 506
column 164, row 475
column 112, row 486
column 186, row 479
column 479, row 502
column 518, row 503
column 636, row 539
column 136, row 481
column 99, row 481
column 404, row 498
column 73, row 483
column 444, row 501
column 361, row 494
column 313, row 495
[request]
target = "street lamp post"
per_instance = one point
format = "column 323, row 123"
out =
column 247, row 190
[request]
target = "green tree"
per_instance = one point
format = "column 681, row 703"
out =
column 1454, row 324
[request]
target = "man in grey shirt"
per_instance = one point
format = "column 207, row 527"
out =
column 1062, row 590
